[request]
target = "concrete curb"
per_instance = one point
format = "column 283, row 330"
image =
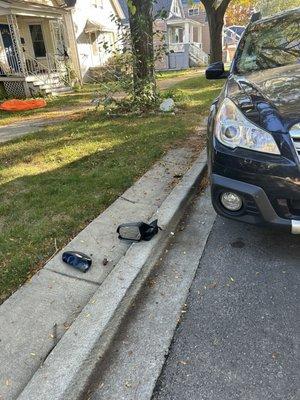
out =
column 34, row 319
column 66, row 372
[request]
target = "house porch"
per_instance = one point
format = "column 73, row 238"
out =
column 35, row 54
column 185, row 43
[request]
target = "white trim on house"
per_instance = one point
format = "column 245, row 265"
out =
column 31, row 10
column 176, row 10
column 118, row 9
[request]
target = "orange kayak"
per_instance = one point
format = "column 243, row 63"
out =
column 22, row 105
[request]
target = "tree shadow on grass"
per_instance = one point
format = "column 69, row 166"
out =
column 40, row 210
column 93, row 130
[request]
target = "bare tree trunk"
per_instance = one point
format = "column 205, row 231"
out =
column 216, row 41
column 141, row 31
column 215, row 15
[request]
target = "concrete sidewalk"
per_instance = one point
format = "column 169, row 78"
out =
column 35, row 318
column 24, row 127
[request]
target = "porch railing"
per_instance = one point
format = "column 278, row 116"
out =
column 176, row 47
column 41, row 70
column 9, row 64
column 198, row 54
column 58, row 65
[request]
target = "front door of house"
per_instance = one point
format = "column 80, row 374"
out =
column 9, row 48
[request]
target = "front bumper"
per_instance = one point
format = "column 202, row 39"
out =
column 257, row 208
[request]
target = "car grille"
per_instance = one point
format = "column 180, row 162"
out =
column 295, row 135
column 251, row 206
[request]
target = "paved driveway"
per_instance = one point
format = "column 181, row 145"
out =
column 238, row 339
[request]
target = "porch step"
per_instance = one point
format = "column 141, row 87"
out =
column 59, row 90
column 54, row 75
column 33, row 78
column 49, row 81
column 49, row 85
column 37, row 83
column 196, row 62
column 42, row 77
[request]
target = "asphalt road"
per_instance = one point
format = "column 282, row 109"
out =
column 238, row 338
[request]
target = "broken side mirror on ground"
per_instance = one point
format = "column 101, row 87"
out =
column 138, row 231
column 78, row 260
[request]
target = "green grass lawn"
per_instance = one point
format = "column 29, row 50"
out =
column 54, row 182
column 81, row 97
column 176, row 74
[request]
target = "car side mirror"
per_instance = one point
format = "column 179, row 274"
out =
column 138, row 231
column 216, row 71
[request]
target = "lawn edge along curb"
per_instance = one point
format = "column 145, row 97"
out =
column 66, row 372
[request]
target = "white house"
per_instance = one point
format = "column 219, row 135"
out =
column 183, row 36
column 94, row 23
column 37, row 50
column 46, row 45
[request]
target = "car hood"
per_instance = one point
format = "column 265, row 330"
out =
column 274, row 93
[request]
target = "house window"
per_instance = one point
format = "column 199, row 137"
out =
column 194, row 11
column 177, row 36
column 38, row 42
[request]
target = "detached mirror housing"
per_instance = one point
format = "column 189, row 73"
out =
column 216, row 71
column 130, row 232
column 138, row 231
column 77, row 260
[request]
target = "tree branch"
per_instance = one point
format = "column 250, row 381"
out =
column 223, row 6
column 208, row 4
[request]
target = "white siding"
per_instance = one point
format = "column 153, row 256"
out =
column 85, row 10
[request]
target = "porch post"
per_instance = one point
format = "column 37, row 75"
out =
column 186, row 38
column 69, row 23
column 16, row 42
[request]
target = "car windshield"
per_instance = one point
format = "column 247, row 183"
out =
column 270, row 44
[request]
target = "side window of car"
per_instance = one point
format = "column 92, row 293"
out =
column 249, row 63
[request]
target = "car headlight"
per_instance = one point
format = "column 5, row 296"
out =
column 233, row 129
